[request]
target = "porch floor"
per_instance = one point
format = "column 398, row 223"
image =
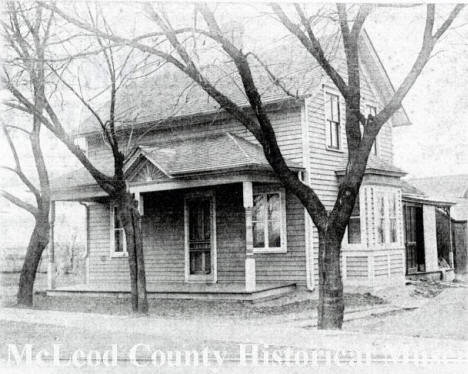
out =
column 216, row 291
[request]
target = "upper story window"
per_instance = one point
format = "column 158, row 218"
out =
column 354, row 225
column 372, row 110
column 268, row 222
column 332, row 116
column 118, row 239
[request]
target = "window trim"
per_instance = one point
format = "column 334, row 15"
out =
column 113, row 253
column 283, row 229
column 327, row 91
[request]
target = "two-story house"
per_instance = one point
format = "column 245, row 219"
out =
column 216, row 221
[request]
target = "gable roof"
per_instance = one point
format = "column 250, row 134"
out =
column 448, row 185
column 171, row 95
column 196, row 156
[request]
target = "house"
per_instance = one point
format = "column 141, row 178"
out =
column 451, row 224
column 216, row 221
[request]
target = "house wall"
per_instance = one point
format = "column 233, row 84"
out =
column 163, row 239
column 359, row 264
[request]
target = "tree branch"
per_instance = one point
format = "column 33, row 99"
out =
column 312, row 45
column 18, row 202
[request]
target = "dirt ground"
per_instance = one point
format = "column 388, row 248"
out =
column 430, row 309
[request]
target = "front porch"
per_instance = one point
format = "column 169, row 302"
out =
column 190, row 291
column 222, row 229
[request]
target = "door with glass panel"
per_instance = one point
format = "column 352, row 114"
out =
column 199, row 225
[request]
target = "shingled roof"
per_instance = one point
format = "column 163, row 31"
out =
column 219, row 152
column 170, row 94
column 374, row 165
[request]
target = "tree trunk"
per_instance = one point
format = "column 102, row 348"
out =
column 37, row 243
column 131, row 222
column 331, row 302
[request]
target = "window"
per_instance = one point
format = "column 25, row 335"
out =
column 268, row 219
column 372, row 110
column 387, row 218
column 332, row 115
column 381, row 219
column 393, row 218
column 354, row 225
column 118, row 240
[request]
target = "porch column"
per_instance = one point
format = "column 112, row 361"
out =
column 51, row 268
column 250, row 280
column 139, row 198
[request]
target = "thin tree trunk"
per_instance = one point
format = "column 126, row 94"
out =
column 37, row 243
column 331, row 302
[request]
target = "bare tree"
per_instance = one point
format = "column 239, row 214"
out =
column 40, row 211
column 31, row 65
column 332, row 224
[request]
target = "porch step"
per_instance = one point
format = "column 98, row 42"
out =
column 190, row 292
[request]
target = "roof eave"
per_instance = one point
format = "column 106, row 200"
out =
column 196, row 118
column 426, row 200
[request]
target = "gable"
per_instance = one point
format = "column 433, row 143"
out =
column 146, row 171
column 378, row 76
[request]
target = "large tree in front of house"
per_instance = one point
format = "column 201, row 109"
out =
column 349, row 20
column 38, row 71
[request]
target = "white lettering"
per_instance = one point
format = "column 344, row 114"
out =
column 132, row 354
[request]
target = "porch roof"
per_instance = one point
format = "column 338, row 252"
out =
column 412, row 194
column 186, row 159
column 375, row 165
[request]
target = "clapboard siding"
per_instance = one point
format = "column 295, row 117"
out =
column 163, row 240
column 324, row 162
column 290, row 266
column 287, row 125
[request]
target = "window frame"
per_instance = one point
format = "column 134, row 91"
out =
column 113, row 252
column 283, row 235
column 328, row 122
column 388, row 196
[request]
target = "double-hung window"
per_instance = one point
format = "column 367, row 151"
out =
column 118, row 239
column 393, row 218
column 387, row 218
column 381, row 237
column 354, row 225
column 268, row 219
column 372, row 110
column 332, row 116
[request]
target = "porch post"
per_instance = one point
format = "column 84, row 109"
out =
column 250, row 281
column 51, row 269
column 139, row 198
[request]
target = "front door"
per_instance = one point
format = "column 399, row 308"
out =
column 200, row 238
column 414, row 239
